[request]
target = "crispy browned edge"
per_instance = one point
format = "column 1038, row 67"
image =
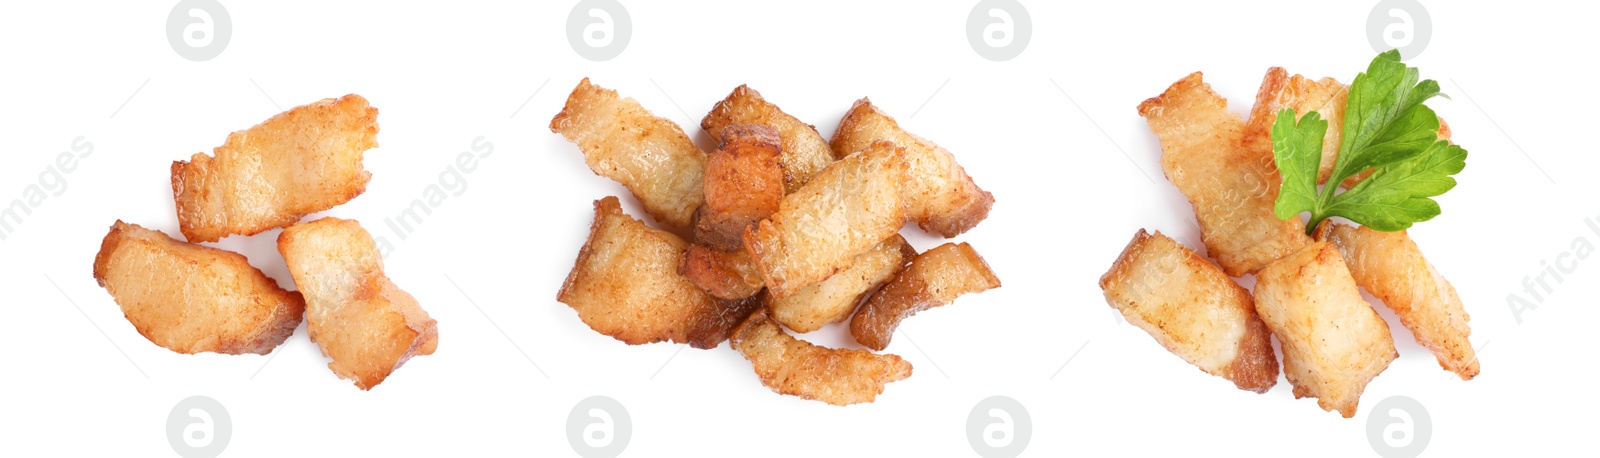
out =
column 263, row 343
column 184, row 181
column 743, row 184
column 727, row 275
column 963, row 219
column 1256, row 366
column 707, row 329
column 908, row 293
column 896, row 368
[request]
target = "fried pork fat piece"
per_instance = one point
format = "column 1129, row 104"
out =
column 649, row 155
column 360, row 319
column 805, row 153
column 795, row 367
column 300, row 162
column 1192, row 309
column 1232, row 191
column 834, row 299
column 934, row 278
column 743, row 185
column 190, row 298
column 1333, row 342
column 852, row 206
column 625, row 284
column 1326, row 96
column 1389, row 265
column 1279, row 90
column 940, row 196
column 722, row 274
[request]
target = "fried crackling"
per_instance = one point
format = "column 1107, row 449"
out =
column 940, row 196
column 1333, row 342
column 834, row 299
column 934, row 278
column 625, row 284
column 190, row 298
column 299, row 162
column 743, row 185
column 722, row 274
column 805, row 152
column 360, row 319
column 1193, row 309
column 649, row 155
column 852, row 206
column 1391, row 267
column 1232, row 191
column 795, row 367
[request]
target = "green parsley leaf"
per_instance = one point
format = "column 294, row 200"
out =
column 1387, row 129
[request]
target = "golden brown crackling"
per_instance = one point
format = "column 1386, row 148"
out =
column 190, row 298
column 625, row 284
column 805, row 152
column 1231, row 190
column 1391, row 267
column 835, row 299
column 934, row 278
column 1333, row 342
column 942, row 198
column 743, row 185
column 722, row 274
column 360, row 319
column 1280, row 90
column 852, row 206
column 795, row 367
column 648, row 154
column 1193, row 309
column 298, row 162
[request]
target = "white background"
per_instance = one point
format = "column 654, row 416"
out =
column 1074, row 178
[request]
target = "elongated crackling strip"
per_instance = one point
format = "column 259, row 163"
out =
column 299, row 162
column 625, row 284
column 940, row 196
column 1390, row 266
column 649, row 155
column 835, row 299
column 794, row 367
column 852, row 206
column 355, row 314
column 190, row 298
column 1193, row 309
column 934, row 278
column 805, row 152
column 1232, row 191
column 1333, row 342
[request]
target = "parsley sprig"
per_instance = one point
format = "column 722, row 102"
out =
column 1387, row 129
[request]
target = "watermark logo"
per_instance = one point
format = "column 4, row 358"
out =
column 452, row 182
column 999, row 427
column 199, row 427
column 199, row 29
column 999, row 30
column 1399, row 24
column 52, row 182
column 599, row 30
column 599, row 427
column 1399, row 427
